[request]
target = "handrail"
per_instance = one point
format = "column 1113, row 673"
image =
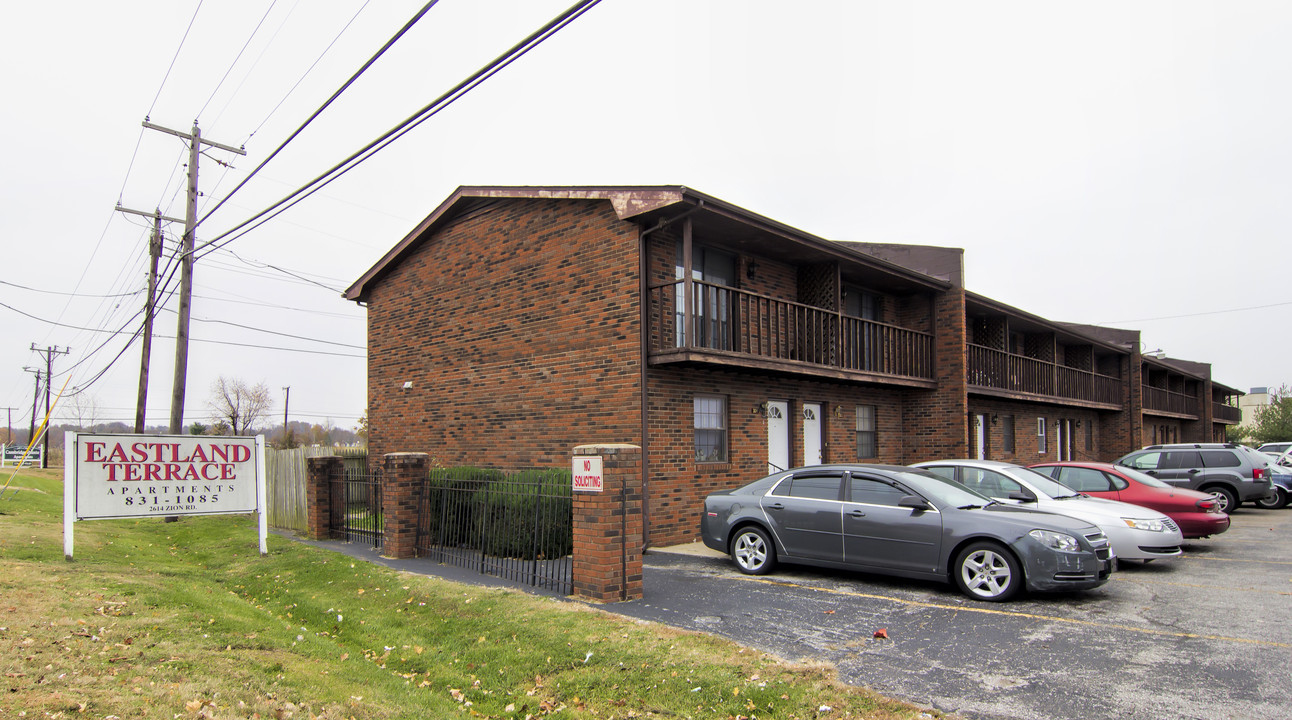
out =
column 1002, row 370
column 737, row 321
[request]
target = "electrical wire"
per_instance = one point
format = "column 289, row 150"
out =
column 176, row 57
column 238, row 57
column 1199, row 314
column 344, row 86
column 56, row 292
column 308, row 70
column 498, row 64
column 273, row 332
column 255, row 64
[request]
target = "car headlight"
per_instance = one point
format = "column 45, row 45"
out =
column 1056, row 540
column 1142, row 524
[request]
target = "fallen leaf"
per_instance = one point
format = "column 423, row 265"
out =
column 882, row 633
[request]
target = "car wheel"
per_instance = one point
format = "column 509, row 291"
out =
column 986, row 571
column 1226, row 499
column 752, row 551
column 1277, row 498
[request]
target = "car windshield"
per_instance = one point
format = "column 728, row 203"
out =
column 1043, row 483
column 943, row 491
column 1142, row 478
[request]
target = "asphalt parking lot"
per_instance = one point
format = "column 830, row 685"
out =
column 1207, row 635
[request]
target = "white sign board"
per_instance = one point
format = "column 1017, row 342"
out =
column 587, row 473
column 132, row 476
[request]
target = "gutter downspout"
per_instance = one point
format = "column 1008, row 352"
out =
column 643, row 266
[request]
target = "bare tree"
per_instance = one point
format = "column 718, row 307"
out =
column 237, row 405
column 85, row 409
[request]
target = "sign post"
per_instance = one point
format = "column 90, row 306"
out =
column 130, row 476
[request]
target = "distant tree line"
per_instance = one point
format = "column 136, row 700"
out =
column 236, row 408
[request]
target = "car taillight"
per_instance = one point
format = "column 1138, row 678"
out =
column 1206, row 505
column 1258, row 473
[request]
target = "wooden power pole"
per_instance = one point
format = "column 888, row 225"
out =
column 195, row 142
column 49, row 354
column 154, row 254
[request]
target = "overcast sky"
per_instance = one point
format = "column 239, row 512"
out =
column 1115, row 163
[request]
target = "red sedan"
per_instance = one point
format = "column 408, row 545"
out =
column 1195, row 512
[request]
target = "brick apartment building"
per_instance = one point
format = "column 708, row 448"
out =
column 515, row 323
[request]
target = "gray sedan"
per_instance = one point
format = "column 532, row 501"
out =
column 901, row 521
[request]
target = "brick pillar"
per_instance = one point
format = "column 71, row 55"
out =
column 318, row 495
column 608, row 527
column 400, row 478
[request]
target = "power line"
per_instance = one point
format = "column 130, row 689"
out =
column 517, row 51
column 345, row 86
column 1199, row 314
column 176, row 57
column 308, row 70
column 56, row 292
column 275, row 332
column 237, row 57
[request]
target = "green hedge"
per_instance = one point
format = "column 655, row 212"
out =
column 526, row 515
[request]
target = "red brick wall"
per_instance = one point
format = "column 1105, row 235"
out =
column 678, row 484
column 518, row 329
column 1026, row 440
column 935, row 422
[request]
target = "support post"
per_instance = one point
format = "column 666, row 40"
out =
column 400, row 478
column 318, row 495
column 608, row 527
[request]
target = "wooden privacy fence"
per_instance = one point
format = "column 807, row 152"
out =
column 286, row 475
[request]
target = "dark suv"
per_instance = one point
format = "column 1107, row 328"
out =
column 1233, row 474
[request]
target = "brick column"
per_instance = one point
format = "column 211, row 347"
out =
column 400, row 478
column 608, row 527
column 318, row 495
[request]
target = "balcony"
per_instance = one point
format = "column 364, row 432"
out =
column 715, row 324
column 1222, row 413
column 1015, row 376
column 1168, row 402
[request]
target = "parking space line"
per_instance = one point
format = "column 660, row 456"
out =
column 1030, row 616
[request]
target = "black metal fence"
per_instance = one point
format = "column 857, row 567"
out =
column 517, row 526
column 356, row 507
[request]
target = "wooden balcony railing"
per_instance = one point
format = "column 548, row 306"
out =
column 1163, row 400
column 1002, row 370
column 1221, row 412
column 733, row 322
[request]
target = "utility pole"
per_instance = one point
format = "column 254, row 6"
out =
column 287, row 434
column 154, row 254
column 35, row 398
column 195, row 142
column 49, row 354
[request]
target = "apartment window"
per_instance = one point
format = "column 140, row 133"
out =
column 1007, row 432
column 1090, row 436
column 867, row 443
column 859, row 303
column 1041, row 438
column 711, row 305
column 861, row 341
column 710, row 429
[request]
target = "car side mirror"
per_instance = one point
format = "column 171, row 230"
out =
column 1022, row 496
column 913, row 502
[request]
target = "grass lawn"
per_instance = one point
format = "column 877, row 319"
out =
column 187, row 620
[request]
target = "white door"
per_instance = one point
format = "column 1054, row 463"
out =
column 778, row 436
column 980, row 436
column 812, row 433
